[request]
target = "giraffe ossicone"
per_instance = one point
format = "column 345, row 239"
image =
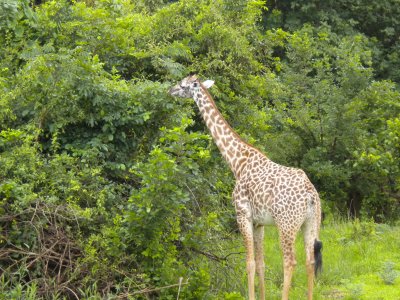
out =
column 208, row 83
column 265, row 193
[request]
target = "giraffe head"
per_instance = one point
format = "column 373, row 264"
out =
column 189, row 86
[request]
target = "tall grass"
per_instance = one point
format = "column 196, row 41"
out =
column 361, row 260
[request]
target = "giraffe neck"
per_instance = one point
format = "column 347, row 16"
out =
column 232, row 147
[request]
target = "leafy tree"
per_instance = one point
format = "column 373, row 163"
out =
column 376, row 19
column 107, row 183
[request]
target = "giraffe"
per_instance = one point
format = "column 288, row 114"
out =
column 265, row 193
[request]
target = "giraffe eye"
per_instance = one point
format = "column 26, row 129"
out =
column 195, row 84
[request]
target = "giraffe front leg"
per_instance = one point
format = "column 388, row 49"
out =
column 246, row 228
column 260, row 265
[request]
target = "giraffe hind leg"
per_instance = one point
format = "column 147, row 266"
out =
column 289, row 261
column 313, row 266
column 313, row 253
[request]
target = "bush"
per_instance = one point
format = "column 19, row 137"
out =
column 388, row 273
column 107, row 183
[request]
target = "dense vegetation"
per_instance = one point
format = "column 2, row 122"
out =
column 110, row 187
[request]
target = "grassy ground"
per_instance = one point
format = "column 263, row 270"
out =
column 360, row 261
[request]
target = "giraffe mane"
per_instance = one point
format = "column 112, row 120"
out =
column 205, row 90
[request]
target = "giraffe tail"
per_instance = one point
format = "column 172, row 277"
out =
column 317, row 256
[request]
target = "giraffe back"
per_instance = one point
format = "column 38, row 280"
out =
column 271, row 193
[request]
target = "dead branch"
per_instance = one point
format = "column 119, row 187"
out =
column 152, row 290
column 213, row 256
column 54, row 253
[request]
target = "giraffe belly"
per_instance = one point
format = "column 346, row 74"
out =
column 264, row 218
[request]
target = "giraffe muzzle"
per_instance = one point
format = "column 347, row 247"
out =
column 173, row 91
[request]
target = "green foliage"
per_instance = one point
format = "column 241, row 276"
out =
column 388, row 273
column 354, row 290
column 376, row 19
column 15, row 16
column 107, row 184
column 233, row 296
column 323, row 118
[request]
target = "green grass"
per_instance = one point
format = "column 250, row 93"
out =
column 361, row 260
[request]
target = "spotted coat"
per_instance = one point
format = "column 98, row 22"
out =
column 265, row 193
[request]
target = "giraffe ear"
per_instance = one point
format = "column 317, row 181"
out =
column 208, row 83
